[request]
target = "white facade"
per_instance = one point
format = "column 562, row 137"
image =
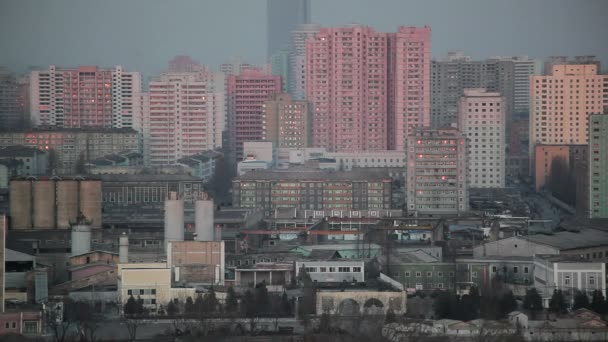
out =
column 297, row 88
column 125, row 87
column 260, row 151
column 333, row 271
column 345, row 161
column 182, row 114
column 481, row 118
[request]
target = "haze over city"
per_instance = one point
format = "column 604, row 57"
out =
column 303, row 170
column 144, row 34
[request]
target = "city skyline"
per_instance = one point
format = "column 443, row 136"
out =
column 146, row 47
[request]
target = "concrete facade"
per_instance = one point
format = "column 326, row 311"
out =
column 85, row 96
column 481, row 118
column 355, row 302
column 208, row 256
column 66, row 146
column 247, row 93
column 183, row 114
column 288, row 123
column 598, row 164
column 377, row 88
column 317, row 189
column 561, row 103
column 437, row 172
column 333, row 271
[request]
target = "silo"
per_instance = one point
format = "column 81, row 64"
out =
column 44, row 204
column 203, row 220
column 81, row 238
column 123, row 250
column 90, row 201
column 67, row 203
column 174, row 218
column 21, row 204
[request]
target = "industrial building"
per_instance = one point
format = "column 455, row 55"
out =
column 138, row 200
column 359, row 189
column 54, row 203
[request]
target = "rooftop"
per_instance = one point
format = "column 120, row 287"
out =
column 147, row 178
column 19, row 151
column 317, row 175
column 52, row 129
column 571, row 240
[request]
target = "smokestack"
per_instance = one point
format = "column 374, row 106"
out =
column 81, row 235
column 203, row 219
column 123, row 249
column 174, row 218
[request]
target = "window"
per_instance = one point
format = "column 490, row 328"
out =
column 141, row 292
column 153, row 291
column 440, row 285
column 311, row 269
column 515, row 269
column 591, row 280
column 429, row 274
column 440, row 274
column 153, row 301
column 418, row 274
column 343, row 269
column 526, row 270
column 567, row 280
column 14, row 325
column 30, row 327
column 407, row 274
column 474, row 274
column 332, row 269
column 130, row 292
column 322, row 269
column 493, row 269
column 356, row 269
column 7, row 325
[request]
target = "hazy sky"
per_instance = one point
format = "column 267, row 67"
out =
column 143, row 35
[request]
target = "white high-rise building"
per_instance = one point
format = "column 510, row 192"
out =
column 297, row 60
column 182, row 114
column 481, row 118
column 86, row 96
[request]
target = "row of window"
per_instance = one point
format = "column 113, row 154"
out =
column 332, row 269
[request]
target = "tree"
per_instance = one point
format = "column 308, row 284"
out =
column 390, row 317
column 286, row 308
column 189, row 306
column 199, row 304
column 130, row 307
column 87, row 321
column 262, row 299
column 248, row 308
column 533, row 301
column 557, row 304
column 60, row 322
column 172, row 308
column 232, row 303
column 210, row 302
column 80, row 167
column 598, row 302
column 507, row 303
column 443, row 305
column 581, row 301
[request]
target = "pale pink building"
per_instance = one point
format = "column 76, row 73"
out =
column 247, row 93
column 367, row 89
column 85, row 96
column 185, row 64
column 182, row 114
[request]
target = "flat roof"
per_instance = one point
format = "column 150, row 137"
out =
column 571, row 240
column 147, row 178
column 359, row 174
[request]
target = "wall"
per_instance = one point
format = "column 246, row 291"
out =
column 335, row 302
column 513, row 246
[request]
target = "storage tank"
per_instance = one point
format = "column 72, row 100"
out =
column 81, row 236
column 67, row 203
column 44, row 204
column 203, row 220
column 90, row 201
column 123, row 250
column 174, row 218
column 21, row 204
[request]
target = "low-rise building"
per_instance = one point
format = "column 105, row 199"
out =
column 568, row 274
column 196, row 262
column 333, row 271
column 67, row 146
column 590, row 244
column 27, row 323
column 201, row 165
column 273, row 274
column 359, row 189
column 34, row 161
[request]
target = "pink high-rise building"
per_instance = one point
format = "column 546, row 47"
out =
column 367, row 89
column 86, row 96
column 247, row 93
column 409, row 83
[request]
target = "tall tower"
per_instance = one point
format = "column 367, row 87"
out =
column 284, row 16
